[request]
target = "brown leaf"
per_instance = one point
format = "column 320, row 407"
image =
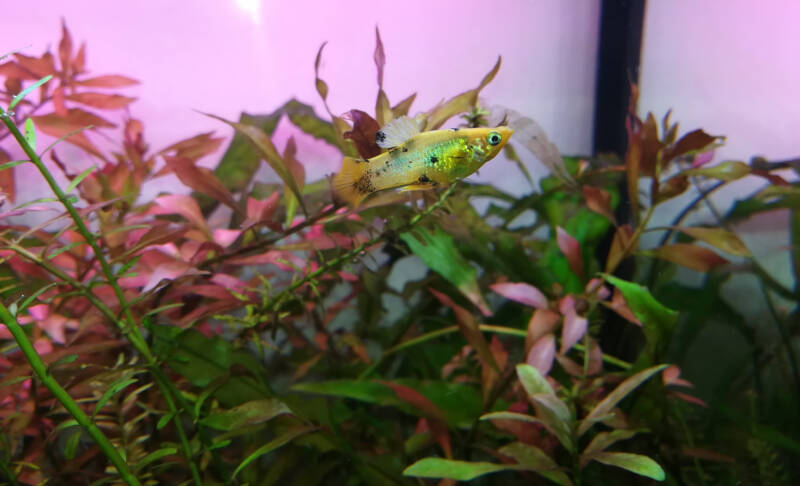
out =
column 688, row 255
column 469, row 328
column 674, row 187
column 692, row 142
column 363, row 134
column 65, row 48
column 101, row 100
column 379, row 56
column 726, row 171
column 651, row 146
column 460, row 103
column 620, row 246
column 108, row 81
column 322, row 87
column 201, row 180
column 416, row 400
column 633, row 158
column 58, row 102
column 720, row 238
column 39, row 67
column 195, row 147
column 383, row 111
column 543, row 321
column 599, row 201
column 7, row 186
column 402, row 108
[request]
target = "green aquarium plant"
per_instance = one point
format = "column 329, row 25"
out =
column 413, row 340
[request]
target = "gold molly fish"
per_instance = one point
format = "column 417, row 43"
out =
column 418, row 160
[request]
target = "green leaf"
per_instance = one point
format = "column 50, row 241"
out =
column 22, row 94
column 30, row 133
column 604, row 408
column 725, row 171
column 80, row 177
column 72, row 443
column 521, row 417
column 200, row 359
column 439, row 252
column 13, row 163
column 721, row 238
column 112, row 390
column 247, row 414
column 658, row 321
column 70, row 358
column 603, row 441
column 154, row 456
column 554, row 413
column 434, row 467
column 635, row 463
column 272, row 445
column 164, row 420
column 534, row 459
column 29, row 300
column 64, row 248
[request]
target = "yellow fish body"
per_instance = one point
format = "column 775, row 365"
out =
column 418, row 161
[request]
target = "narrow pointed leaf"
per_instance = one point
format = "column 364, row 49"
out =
column 22, row 94
column 201, row 180
column 272, row 445
column 154, row 456
column 101, row 100
column 606, row 405
column 30, row 133
column 725, row 171
column 521, row 292
column 247, row 414
column 402, row 108
column 108, row 81
column 460, row 103
column 603, row 441
column 688, row 255
column 79, row 178
column 534, row 459
column 570, row 247
column 721, row 238
column 434, row 467
column 112, row 390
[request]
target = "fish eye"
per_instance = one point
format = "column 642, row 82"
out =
column 494, row 138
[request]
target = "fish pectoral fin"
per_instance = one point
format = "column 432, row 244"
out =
column 417, row 187
column 397, row 132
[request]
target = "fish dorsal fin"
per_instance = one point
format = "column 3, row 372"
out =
column 396, row 132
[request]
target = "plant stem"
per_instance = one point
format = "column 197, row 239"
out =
column 6, row 470
column 128, row 327
column 62, row 396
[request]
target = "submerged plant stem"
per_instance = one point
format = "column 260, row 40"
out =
column 38, row 367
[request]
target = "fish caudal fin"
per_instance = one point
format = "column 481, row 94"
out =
column 352, row 184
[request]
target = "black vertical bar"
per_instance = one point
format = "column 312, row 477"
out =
column 619, row 47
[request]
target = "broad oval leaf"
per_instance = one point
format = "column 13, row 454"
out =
column 635, row 463
column 521, row 292
column 542, row 353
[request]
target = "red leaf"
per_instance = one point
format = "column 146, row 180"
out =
column 170, row 271
column 75, row 119
column 542, row 354
column 599, row 201
column 689, row 255
column 521, row 292
column 469, row 328
column 571, row 249
column 79, row 62
column 260, row 210
column 363, row 133
column 542, row 322
column 675, row 186
column 39, row 67
column 689, row 398
column 65, row 48
column 225, row 237
column 57, row 126
column 416, row 400
column 107, row 81
column 670, row 377
column 620, row 306
column 651, row 145
column 101, row 100
column 186, row 206
column 703, row 158
column 574, row 327
column 58, row 102
column 7, row 186
column 691, row 142
column 201, row 180
column 296, row 169
column 13, row 70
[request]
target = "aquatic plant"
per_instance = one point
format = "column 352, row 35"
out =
column 143, row 344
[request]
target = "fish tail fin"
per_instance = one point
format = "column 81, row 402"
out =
column 345, row 182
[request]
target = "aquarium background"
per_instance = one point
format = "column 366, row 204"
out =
column 728, row 67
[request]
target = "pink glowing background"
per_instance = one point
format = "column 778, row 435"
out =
column 724, row 65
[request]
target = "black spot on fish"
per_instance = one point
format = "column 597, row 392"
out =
column 393, row 152
column 455, row 129
column 405, row 149
column 434, row 159
column 423, row 179
column 380, row 136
